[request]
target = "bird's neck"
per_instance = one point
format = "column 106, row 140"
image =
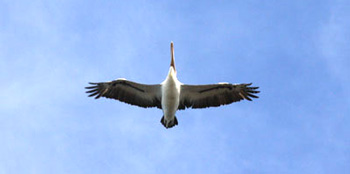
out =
column 171, row 75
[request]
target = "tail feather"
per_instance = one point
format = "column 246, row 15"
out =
column 169, row 123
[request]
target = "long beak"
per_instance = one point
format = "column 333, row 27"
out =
column 172, row 63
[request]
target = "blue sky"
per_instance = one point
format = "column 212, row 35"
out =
column 297, row 51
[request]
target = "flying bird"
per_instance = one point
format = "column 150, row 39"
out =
column 172, row 95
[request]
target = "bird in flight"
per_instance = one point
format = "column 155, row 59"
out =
column 172, row 95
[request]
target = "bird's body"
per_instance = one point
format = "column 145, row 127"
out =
column 171, row 95
column 171, row 89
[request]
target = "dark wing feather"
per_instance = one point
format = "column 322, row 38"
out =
column 202, row 96
column 127, row 91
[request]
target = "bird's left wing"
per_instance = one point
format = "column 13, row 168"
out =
column 202, row 96
column 127, row 91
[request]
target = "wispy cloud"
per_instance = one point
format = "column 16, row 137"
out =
column 334, row 38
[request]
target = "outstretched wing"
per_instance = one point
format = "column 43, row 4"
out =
column 202, row 96
column 127, row 91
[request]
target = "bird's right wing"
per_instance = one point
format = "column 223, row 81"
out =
column 129, row 92
column 202, row 96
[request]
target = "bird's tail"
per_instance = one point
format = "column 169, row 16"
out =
column 169, row 123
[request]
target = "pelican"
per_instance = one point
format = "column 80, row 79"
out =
column 172, row 95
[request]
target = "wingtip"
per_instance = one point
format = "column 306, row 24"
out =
column 93, row 94
column 251, row 95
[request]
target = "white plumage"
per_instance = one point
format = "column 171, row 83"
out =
column 171, row 95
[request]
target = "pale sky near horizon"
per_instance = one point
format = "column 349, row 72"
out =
column 296, row 51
